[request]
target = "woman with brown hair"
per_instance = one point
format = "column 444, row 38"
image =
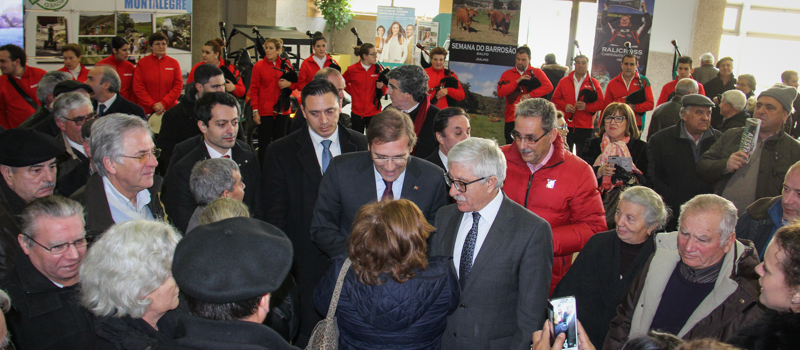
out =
column 266, row 84
column 364, row 87
column 212, row 54
column 157, row 80
column 72, row 62
column 393, row 296
column 394, row 51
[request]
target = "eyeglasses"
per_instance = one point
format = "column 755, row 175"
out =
column 373, row 54
column 562, row 127
column 461, row 186
column 616, row 119
column 381, row 160
column 61, row 248
column 80, row 120
column 155, row 153
column 528, row 138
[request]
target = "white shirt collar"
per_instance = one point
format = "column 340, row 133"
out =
column 320, row 62
column 108, row 102
column 75, row 145
column 489, row 212
column 366, row 68
column 316, row 138
column 214, row 154
column 142, row 198
column 412, row 108
column 444, row 160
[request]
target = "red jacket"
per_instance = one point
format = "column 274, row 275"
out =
column 361, row 87
column 13, row 108
column 670, row 88
column 507, row 87
column 565, row 94
column 563, row 192
column 157, row 80
column 308, row 68
column 617, row 92
column 84, row 73
column 125, row 70
column 238, row 91
column 434, row 77
column 264, row 89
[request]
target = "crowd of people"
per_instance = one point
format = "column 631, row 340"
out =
column 416, row 234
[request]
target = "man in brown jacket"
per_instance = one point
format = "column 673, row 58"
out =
column 700, row 282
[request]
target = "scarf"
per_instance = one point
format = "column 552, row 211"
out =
column 608, row 149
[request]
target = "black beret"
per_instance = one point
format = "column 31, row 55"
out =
column 232, row 260
column 25, row 147
column 70, row 86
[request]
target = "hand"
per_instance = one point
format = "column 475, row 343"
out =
column 580, row 105
column 256, row 118
column 158, row 108
column 524, row 77
column 607, row 169
column 716, row 100
column 379, row 85
column 524, row 97
column 229, row 86
column 632, row 106
column 441, row 93
column 284, row 84
column 736, row 161
column 583, row 339
column 605, row 6
column 541, row 339
column 569, row 108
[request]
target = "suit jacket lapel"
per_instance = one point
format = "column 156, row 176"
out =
column 410, row 188
column 365, row 176
column 497, row 234
column 452, row 231
column 344, row 140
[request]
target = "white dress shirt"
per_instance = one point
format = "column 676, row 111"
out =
column 488, row 214
column 214, row 154
column 107, row 104
column 335, row 147
column 444, row 160
column 578, row 84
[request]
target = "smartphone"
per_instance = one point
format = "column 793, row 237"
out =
column 563, row 315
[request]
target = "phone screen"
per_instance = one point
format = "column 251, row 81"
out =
column 564, row 317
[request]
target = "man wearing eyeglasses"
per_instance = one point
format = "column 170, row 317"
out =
column 46, row 311
column 552, row 183
column 218, row 121
column 503, row 253
column 28, row 166
column 70, row 111
column 387, row 171
column 124, row 186
column 49, row 125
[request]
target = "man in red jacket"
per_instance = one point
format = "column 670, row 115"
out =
column 627, row 83
column 552, row 183
column 15, row 107
column 519, row 84
column 685, row 70
column 578, row 95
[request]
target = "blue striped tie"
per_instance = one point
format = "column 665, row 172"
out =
column 468, row 250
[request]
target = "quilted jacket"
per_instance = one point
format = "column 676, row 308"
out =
column 392, row 315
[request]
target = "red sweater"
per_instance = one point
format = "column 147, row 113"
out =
column 308, row 68
column 125, row 70
column 264, row 89
column 434, row 77
column 13, row 108
column 507, row 87
column 565, row 94
column 670, row 88
column 617, row 92
column 238, row 91
column 361, row 87
column 157, row 80
column 563, row 192
column 81, row 76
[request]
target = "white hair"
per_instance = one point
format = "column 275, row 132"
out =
column 707, row 58
column 127, row 263
column 655, row 210
column 736, row 98
column 713, row 203
column 483, row 156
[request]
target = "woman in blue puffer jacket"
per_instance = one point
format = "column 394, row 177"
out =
column 393, row 296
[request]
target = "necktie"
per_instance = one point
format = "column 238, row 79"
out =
column 226, row 156
column 468, row 250
column 326, row 154
column 100, row 109
column 387, row 193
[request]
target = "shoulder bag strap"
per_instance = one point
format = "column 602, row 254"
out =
column 338, row 289
column 25, row 96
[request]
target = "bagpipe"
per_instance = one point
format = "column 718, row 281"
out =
column 422, row 61
column 359, row 42
column 638, row 96
column 382, row 77
column 586, row 95
column 531, row 84
column 290, row 75
column 449, row 81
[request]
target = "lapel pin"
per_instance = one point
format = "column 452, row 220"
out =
column 416, row 188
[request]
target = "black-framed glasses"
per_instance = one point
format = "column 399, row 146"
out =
column 461, row 186
column 63, row 247
column 528, row 138
column 80, row 120
column 155, row 153
column 616, row 119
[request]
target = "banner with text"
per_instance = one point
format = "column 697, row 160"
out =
column 621, row 23
column 484, row 34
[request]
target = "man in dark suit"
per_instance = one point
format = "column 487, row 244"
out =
column 386, row 171
column 450, row 126
column 408, row 88
column 70, row 111
column 293, row 168
column 218, row 120
column 105, row 82
column 180, row 122
column 502, row 252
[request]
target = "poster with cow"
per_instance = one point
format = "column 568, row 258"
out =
column 485, row 32
column 395, row 40
column 623, row 26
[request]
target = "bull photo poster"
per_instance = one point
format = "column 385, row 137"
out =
column 621, row 23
